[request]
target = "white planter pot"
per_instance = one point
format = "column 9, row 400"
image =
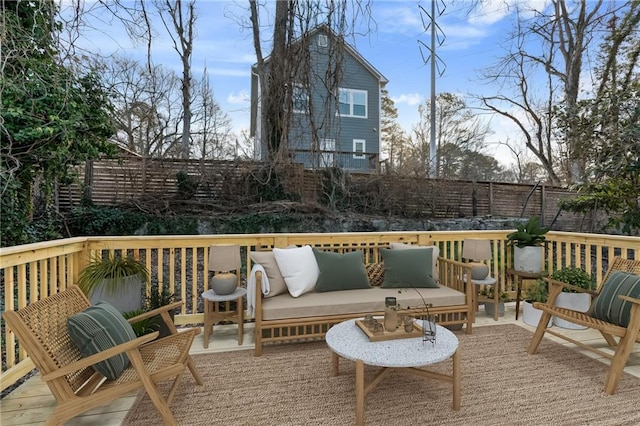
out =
column 578, row 302
column 489, row 308
column 528, row 259
column 531, row 315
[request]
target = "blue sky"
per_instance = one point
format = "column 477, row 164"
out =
column 471, row 42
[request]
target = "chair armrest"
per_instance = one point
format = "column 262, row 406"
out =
column 154, row 312
column 94, row 359
column 553, row 282
column 629, row 299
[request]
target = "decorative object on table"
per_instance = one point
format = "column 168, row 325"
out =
column 407, row 322
column 114, row 278
column 489, row 305
column 537, row 292
column 390, row 314
column 476, row 250
column 376, row 332
column 528, row 243
column 222, row 260
column 571, row 299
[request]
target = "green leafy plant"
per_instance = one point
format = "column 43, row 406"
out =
column 145, row 326
column 110, row 268
column 528, row 234
column 156, row 299
column 537, row 292
column 488, row 293
column 574, row 276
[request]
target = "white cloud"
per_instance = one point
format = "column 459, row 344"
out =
column 408, row 98
column 238, row 98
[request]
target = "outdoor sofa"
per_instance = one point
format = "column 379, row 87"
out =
column 334, row 294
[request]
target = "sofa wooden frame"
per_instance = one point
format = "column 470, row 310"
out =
column 300, row 329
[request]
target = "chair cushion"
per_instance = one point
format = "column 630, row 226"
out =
column 608, row 306
column 299, row 268
column 268, row 261
column 340, row 271
column 408, row 268
column 375, row 273
column 99, row 328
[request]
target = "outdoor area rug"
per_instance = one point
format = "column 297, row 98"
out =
column 501, row 385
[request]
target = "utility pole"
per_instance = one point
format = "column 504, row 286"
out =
column 433, row 58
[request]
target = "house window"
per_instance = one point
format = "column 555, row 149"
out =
column 327, row 152
column 359, row 148
column 300, row 99
column 352, row 103
column 322, row 40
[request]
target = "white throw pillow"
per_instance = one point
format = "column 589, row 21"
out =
column 434, row 255
column 299, row 268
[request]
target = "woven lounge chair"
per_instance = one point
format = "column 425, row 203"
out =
column 609, row 302
column 41, row 328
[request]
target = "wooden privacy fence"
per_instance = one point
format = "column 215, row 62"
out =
column 114, row 181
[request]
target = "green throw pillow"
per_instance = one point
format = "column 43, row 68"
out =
column 408, row 268
column 99, row 328
column 608, row 306
column 340, row 271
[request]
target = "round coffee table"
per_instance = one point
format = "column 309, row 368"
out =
column 348, row 341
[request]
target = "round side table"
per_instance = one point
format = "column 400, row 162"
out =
column 213, row 315
column 496, row 293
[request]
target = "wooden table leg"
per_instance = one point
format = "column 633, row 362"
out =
column 207, row 319
column 518, row 291
column 240, row 310
column 359, row 393
column 335, row 364
column 457, row 381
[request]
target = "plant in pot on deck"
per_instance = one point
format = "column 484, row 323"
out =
column 157, row 299
column 572, row 299
column 537, row 292
column 487, row 293
column 114, row 278
column 528, row 241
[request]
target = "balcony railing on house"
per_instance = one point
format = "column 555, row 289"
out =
column 178, row 263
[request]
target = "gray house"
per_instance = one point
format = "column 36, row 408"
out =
column 334, row 105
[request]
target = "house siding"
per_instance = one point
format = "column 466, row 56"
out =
column 354, row 75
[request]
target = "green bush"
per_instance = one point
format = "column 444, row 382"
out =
column 576, row 277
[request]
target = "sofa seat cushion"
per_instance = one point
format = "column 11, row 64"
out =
column 355, row 301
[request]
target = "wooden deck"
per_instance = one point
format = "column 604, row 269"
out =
column 31, row 403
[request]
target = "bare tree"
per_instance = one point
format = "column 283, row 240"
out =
column 182, row 19
column 213, row 137
column 542, row 70
column 459, row 133
column 144, row 99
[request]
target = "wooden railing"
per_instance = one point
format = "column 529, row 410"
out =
column 34, row 271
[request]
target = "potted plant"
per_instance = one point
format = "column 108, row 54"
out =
column 570, row 298
column 534, row 293
column 157, row 299
column 528, row 242
column 489, row 307
column 114, row 278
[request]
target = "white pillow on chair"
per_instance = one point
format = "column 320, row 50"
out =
column 299, row 268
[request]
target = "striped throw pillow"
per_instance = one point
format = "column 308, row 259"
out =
column 608, row 306
column 98, row 328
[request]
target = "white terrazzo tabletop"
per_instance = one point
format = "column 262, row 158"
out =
column 349, row 341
